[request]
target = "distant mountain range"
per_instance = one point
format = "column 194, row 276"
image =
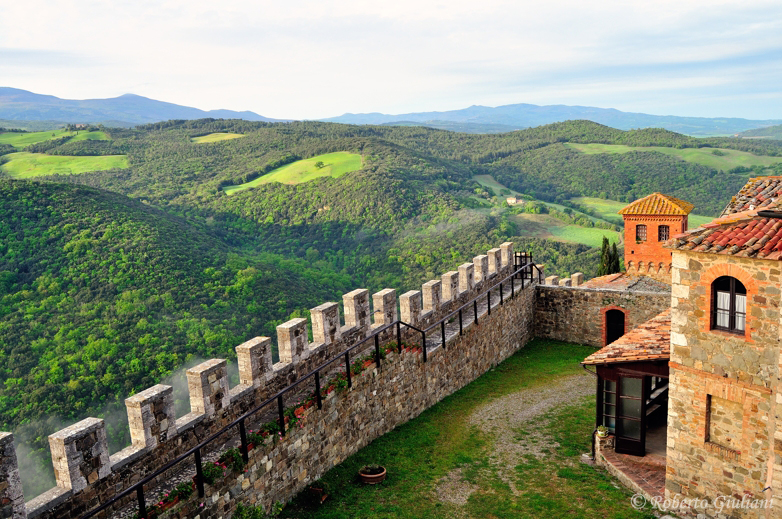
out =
column 526, row 115
column 131, row 110
column 125, row 110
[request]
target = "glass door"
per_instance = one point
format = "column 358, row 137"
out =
column 631, row 416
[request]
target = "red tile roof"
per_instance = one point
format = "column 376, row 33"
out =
column 757, row 193
column 656, row 204
column 742, row 234
column 649, row 341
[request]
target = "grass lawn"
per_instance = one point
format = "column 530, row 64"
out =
column 547, row 226
column 607, row 209
column 216, row 137
column 28, row 165
column 419, row 455
column 334, row 165
column 89, row 136
column 705, row 156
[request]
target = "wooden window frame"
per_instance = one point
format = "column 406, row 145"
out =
column 731, row 328
column 640, row 232
column 663, row 229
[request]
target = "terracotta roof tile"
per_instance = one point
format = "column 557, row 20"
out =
column 750, row 237
column 657, row 203
column 757, row 193
column 649, row 341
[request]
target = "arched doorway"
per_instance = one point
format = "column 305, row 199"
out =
column 614, row 325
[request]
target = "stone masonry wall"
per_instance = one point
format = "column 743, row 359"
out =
column 86, row 475
column 382, row 398
column 576, row 314
column 724, row 423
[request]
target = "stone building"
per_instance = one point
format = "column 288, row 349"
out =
column 720, row 370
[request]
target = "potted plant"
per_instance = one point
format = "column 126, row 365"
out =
column 372, row 474
column 602, row 431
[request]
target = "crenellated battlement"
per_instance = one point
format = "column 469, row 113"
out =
column 86, row 475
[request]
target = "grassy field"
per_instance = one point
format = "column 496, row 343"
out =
column 442, row 440
column 705, row 156
column 20, row 140
column 547, row 226
column 216, row 137
column 334, row 165
column 607, row 209
column 28, row 165
column 489, row 181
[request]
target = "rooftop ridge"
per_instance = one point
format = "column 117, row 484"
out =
column 658, row 204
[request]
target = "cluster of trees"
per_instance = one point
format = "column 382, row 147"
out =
column 609, row 259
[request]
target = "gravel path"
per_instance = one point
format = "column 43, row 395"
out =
column 510, row 420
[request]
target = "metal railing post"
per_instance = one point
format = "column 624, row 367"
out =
column 442, row 330
column 461, row 327
column 399, row 336
column 475, row 310
column 488, row 300
column 347, row 368
column 502, row 300
column 243, row 439
column 377, row 350
column 142, row 505
column 423, row 337
column 281, row 412
column 318, row 396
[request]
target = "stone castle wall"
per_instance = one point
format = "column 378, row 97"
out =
column 382, row 398
column 576, row 314
column 86, row 475
column 724, row 423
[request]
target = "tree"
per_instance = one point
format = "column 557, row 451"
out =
column 320, row 164
column 609, row 259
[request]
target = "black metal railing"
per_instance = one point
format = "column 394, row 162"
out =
column 520, row 272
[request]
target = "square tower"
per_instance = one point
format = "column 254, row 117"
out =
column 649, row 223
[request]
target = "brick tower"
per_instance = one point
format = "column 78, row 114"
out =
column 650, row 222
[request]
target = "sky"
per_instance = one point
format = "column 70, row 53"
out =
column 310, row 59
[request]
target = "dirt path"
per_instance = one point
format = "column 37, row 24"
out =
column 511, row 421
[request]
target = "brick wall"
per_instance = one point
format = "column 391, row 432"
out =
column 724, row 434
column 577, row 314
column 648, row 257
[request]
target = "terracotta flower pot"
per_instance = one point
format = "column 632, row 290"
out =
column 372, row 478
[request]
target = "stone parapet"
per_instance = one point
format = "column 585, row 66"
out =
column 85, row 470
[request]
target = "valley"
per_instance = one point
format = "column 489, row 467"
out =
column 126, row 254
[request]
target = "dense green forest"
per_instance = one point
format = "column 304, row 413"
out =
column 110, row 281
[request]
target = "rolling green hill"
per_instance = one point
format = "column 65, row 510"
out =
column 216, row 137
column 111, row 279
column 29, row 165
column 769, row 132
column 332, row 165
column 716, row 158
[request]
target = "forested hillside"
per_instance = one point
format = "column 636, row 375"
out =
column 111, row 280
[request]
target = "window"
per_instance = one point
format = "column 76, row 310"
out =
column 609, row 404
column 729, row 305
column 663, row 233
column 640, row 232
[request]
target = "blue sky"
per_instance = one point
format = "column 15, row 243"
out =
column 321, row 58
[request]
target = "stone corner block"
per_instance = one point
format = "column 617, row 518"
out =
column 80, row 454
column 292, row 340
column 254, row 359
column 208, row 386
column 326, row 328
column 151, row 416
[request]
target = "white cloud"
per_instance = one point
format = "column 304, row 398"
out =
column 311, row 58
